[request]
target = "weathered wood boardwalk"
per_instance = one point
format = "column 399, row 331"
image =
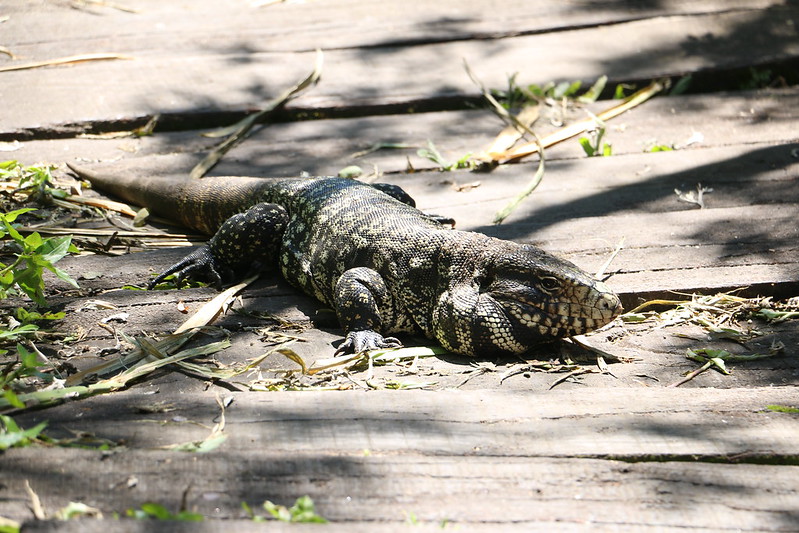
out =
column 488, row 447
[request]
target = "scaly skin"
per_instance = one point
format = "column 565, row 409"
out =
column 384, row 266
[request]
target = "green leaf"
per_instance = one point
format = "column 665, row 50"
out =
column 7, row 278
column 11, row 435
column 54, row 248
column 661, row 148
column 64, row 276
column 13, row 232
column 13, row 400
column 783, row 409
column 278, row 512
column 28, row 359
column 588, row 148
column 29, row 280
column 682, row 85
column 188, row 516
column 593, row 93
column 14, row 334
column 565, row 89
column 619, row 93
column 304, row 511
column 11, row 216
column 33, row 241
column 156, row 510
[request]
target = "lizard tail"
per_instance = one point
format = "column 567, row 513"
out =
column 199, row 204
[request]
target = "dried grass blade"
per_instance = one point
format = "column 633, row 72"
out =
column 238, row 132
column 162, row 359
column 332, row 362
column 203, row 317
column 167, row 344
column 109, row 205
column 6, row 51
column 690, row 376
column 93, row 232
column 295, row 357
column 36, row 504
column 64, row 61
column 208, row 312
column 570, row 375
column 601, row 272
column 512, row 133
column 577, row 128
column 145, row 368
column 527, row 191
column 412, row 352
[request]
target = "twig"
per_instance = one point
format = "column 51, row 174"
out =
column 64, row 61
column 240, row 131
column 571, row 374
column 691, row 376
column 601, row 272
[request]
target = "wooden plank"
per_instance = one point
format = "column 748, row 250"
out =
column 323, row 147
column 365, row 457
column 65, row 100
column 632, row 422
column 526, row 493
column 301, row 26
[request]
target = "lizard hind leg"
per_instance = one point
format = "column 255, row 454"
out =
column 245, row 243
column 362, row 301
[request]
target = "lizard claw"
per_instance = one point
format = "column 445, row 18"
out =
column 361, row 341
column 199, row 263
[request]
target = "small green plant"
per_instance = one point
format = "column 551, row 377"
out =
column 783, row 409
column 33, row 254
column 303, row 511
column 14, row 372
column 432, row 153
column 156, row 511
column 518, row 95
column 661, row 148
column 593, row 145
column 36, row 182
column 12, row 436
column 758, row 78
column 623, row 90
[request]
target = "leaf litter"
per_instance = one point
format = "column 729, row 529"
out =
column 722, row 317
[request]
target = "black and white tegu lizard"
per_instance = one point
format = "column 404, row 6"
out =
column 384, row 266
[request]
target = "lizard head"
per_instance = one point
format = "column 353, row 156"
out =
column 516, row 296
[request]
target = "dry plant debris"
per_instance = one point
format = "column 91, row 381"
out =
column 81, row 58
column 721, row 316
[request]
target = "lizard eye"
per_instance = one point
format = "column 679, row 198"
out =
column 550, row 285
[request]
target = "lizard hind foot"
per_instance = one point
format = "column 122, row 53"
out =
column 361, row 341
column 201, row 263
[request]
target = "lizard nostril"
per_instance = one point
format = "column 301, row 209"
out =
column 610, row 302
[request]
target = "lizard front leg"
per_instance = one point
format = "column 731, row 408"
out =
column 360, row 296
column 246, row 242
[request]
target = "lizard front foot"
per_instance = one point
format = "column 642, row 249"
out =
column 201, row 263
column 360, row 341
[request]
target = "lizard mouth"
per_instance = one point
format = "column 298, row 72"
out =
column 513, row 325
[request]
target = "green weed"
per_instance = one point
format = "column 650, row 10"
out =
column 303, row 511
column 156, row 511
